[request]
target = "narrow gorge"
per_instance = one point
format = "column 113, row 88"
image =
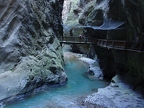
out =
column 31, row 54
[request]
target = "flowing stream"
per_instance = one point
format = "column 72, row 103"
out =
column 67, row 96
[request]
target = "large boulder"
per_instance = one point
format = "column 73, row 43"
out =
column 30, row 53
column 116, row 95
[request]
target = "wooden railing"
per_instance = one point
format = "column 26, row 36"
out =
column 77, row 40
column 110, row 44
column 121, row 45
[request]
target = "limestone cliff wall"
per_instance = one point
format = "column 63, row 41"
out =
column 125, row 63
column 71, row 13
column 30, row 53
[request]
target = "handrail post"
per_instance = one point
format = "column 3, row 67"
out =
column 96, row 40
column 140, row 49
column 106, row 43
column 100, row 42
column 60, row 38
column 103, row 43
column 113, row 44
column 124, row 45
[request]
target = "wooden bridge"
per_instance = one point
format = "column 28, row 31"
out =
column 109, row 44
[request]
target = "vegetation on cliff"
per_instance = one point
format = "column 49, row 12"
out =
column 30, row 53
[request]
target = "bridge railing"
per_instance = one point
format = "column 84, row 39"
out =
column 123, row 45
column 75, row 39
column 139, row 46
column 110, row 44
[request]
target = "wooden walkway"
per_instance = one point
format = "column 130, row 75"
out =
column 109, row 44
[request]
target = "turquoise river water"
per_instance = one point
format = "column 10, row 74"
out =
column 65, row 96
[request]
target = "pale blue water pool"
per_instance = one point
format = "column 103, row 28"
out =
column 77, row 85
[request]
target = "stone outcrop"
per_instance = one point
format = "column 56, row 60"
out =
column 30, row 53
column 73, row 9
column 121, row 62
column 94, row 13
column 116, row 95
column 127, row 65
column 94, row 72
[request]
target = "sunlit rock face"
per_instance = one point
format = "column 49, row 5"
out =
column 72, row 10
column 30, row 53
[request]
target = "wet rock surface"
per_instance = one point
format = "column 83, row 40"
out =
column 30, row 53
column 94, row 72
column 116, row 95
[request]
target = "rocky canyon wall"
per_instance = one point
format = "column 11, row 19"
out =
column 94, row 13
column 30, row 53
column 126, row 66
column 125, row 63
column 71, row 12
